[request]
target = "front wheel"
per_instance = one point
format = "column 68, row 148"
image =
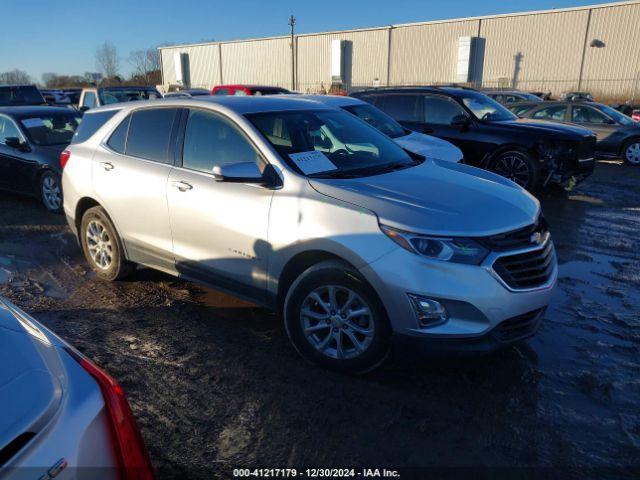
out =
column 519, row 167
column 335, row 319
column 51, row 191
column 631, row 152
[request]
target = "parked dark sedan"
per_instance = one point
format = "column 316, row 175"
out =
column 530, row 153
column 618, row 135
column 31, row 141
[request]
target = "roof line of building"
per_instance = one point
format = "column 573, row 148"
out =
column 415, row 24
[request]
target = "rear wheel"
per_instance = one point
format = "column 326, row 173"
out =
column 631, row 152
column 335, row 319
column 102, row 246
column 51, row 191
column 518, row 167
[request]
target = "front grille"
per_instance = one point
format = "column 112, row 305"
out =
column 519, row 327
column 527, row 270
column 516, row 239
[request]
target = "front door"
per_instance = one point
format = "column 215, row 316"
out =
column 219, row 228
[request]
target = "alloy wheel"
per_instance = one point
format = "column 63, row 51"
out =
column 514, row 168
column 632, row 153
column 99, row 244
column 51, row 192
column 337, row 322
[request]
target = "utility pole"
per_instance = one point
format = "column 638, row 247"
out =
column 292, row 22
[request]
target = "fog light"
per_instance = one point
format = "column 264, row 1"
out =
column 430, row 312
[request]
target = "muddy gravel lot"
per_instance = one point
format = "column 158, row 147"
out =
column 216, row 386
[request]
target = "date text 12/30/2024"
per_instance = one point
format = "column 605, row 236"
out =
column 315, row 473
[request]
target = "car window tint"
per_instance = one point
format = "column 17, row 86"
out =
column 551, row 113
column 401, row 107
column 520, row 109
column 91, row 122
column 118, row 139
column 588, row 115
column 89, row 100
column 149, row 133
column 211, row 140
column 440, row 110
column 8, row 129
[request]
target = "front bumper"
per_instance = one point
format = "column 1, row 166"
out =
column 483, row 311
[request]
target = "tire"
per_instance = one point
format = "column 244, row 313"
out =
column 51, row 191
column 519, row 167
column 102, row 246
column 631, row 152
column 370, row 331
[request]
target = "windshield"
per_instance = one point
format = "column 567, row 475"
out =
column 377, row 119
column 619, row 117
column 326, row 143
column 52, row 129
column 118, row 95
column 484, row 108
column 26, row 95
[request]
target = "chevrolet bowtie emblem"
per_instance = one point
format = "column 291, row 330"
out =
column 536, row 238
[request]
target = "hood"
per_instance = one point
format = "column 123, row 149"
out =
column 430, row 147
column 439, row 198
column 30, row 390
column 562, row 131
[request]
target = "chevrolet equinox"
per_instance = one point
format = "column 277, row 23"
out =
column 311, row 211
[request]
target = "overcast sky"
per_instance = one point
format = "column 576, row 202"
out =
column 61, row 36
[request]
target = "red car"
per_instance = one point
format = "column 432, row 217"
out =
column 248, row 90
column 636, row 115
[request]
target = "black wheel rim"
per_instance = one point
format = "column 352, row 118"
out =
column 515, row 168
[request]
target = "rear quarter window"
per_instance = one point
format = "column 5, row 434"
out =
column 91, row 122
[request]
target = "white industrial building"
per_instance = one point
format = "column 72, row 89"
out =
column 594, row 48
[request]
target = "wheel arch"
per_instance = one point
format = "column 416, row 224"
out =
column 625, row 144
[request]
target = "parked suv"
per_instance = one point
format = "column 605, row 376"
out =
column 20, row 95
column 353, row 239
column 530, row 153
column 96, row 97
column 618, row 135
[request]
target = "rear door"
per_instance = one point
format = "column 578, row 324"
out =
column 219, row 228
column 130, row 172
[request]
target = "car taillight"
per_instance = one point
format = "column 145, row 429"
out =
column 64, row 158
column 132, row 454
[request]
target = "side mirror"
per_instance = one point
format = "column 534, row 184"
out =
column 243, row 172
column 15, row 142
column 461, row 121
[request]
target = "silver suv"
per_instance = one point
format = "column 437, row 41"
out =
column 311, row 211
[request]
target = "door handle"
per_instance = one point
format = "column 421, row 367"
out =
column 182, row 186
column 107, row 166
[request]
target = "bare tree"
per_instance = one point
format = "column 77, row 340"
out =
column 15, row 76
column 146, row 64
column 107, row 60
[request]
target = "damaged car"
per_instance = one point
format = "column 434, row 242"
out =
column 531, row 153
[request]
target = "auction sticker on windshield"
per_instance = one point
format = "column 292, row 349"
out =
column 312, row 162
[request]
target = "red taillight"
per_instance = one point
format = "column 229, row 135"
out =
column 64, row 158
column 130, row 449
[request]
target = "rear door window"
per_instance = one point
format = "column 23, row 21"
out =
column 556, row 113
column 91, row 122
column 150, row 133
column 402, row 107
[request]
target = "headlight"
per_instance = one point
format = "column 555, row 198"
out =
column 552, row 150
column 458, row 250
